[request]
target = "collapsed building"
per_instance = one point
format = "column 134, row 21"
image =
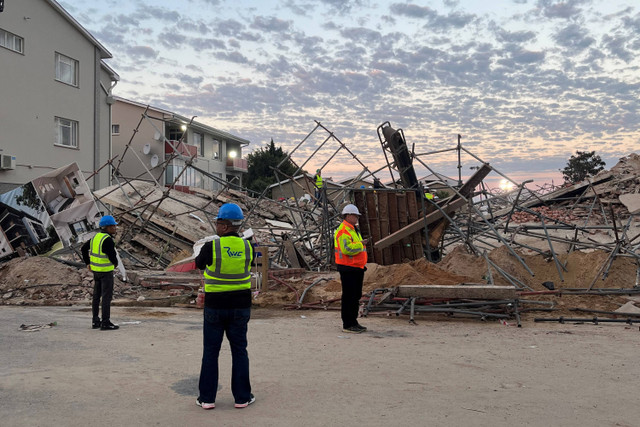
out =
column 473, row 252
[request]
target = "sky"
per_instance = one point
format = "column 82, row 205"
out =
column 525, row 83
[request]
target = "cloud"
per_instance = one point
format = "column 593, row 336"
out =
column 161, row 14
column 565, row 9
column 574, row 37
column 271, row 24
column 361, row 35
column 343, row 6
column 617, row 46
column 142, row 52
column 190, row 80
column 172, row 39
column 236, row 57
column 411, row 10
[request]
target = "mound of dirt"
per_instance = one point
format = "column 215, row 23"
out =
column 22, row 272
column 580, row 269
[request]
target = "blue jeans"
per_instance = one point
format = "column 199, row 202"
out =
column 233, row 322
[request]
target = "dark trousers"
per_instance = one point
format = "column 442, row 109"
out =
column 351, row 279
column 102, row 289
column 233, row 322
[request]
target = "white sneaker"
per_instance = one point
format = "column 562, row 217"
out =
column 244, row 405
column 205, row 405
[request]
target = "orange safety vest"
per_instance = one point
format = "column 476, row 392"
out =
column 348, row 245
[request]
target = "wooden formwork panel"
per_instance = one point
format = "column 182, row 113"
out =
column 365, row 231
column 416, row 238
column 374, row 225
column 384, row 213
column 403, row 220
column 394, row 225
column 383, row 219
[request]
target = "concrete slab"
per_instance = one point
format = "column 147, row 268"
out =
column 632, row 202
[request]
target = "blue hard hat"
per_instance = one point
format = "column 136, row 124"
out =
column 107, row 220
column 231, row 212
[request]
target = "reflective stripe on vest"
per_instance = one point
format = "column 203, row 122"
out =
column 230, row 267
column 319, row 181
column 98, row 260
column 344, row 234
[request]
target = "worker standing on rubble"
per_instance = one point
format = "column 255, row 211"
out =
column 226, row 261
column 428, row 194
column 100, row 256
column 319, row 183
column 351, row 257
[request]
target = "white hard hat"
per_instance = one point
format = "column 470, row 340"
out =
column 350, row 210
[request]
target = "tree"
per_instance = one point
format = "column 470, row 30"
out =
column 260, row 163
column 583, row 164
column 30, row 198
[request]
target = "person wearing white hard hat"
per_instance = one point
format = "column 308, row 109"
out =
column 351, row 257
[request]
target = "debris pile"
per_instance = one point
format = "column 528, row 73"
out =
column 543, row 211
column 580, row 242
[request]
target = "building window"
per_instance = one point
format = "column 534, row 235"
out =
column 216, row 149
column 115, row 129
column 66, row 70
column 66, row 132
column 175, row 134
column 11, row 41
column 198, row 141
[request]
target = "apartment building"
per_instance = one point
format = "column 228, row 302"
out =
column 56, row 94
column 164, row 143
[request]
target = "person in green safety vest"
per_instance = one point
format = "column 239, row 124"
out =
column 319, row 183
column 226, row 264
column 428, row 194
column 100, row 256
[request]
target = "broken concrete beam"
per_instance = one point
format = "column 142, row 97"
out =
column 474, row 291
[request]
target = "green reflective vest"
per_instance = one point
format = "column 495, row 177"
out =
column 319, row 181
column 230, row 267
column 98, row 260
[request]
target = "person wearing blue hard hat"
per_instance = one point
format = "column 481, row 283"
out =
column 100, row 256
column 226, row 264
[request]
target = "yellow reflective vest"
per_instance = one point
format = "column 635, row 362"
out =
column 319, row 181
column 98, row 260
column 230, row 267
column 349, row 249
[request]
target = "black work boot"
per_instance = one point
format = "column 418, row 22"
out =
column 108, row 326
column 96, row 323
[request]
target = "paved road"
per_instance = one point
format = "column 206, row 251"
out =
column 306, row 372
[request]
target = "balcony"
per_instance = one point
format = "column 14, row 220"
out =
column 237, row 165
column 182, row 148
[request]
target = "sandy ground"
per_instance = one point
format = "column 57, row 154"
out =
column 306, row 372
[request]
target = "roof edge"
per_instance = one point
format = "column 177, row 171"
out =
column 104, row 53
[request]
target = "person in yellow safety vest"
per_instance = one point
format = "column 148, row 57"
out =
column 319, row 183
column 351, row 257
column 428, row 194
column 100, row 256
column 226, row 264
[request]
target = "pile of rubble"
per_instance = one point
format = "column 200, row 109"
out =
column 551, row 213
column 586, row 256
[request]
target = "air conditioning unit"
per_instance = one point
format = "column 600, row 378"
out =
column 7, row 161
